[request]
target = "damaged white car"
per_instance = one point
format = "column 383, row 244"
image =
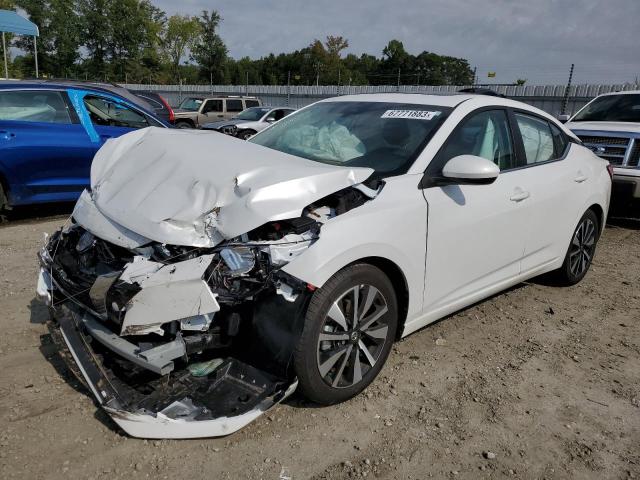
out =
column 203, row 279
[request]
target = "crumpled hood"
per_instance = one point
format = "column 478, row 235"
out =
column 622, row 127
column 185, row 187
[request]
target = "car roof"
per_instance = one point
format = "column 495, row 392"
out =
column 448, row 100
column 111, row 88
column 623, row 92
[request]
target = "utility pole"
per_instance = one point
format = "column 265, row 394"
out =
column 288, row 87
column 475, row 76
column 4, row 49
column 317, row 74
column 565, row 100
column 246, row 82
column 338, row 81
column 398, row 85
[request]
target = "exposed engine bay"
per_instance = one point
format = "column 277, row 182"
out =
column 183, row 341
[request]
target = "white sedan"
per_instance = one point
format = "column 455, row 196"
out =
column 203, row 279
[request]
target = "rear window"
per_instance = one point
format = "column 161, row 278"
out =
column 34, row 106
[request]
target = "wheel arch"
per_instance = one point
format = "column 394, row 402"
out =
column 399, row 283
column 4, row 192
column 185, row 120
column 599, row 211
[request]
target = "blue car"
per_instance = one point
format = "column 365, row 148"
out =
column 50, row 131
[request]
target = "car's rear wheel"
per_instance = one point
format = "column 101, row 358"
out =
column 349, row 329
column 581, row 250
column 184, row 125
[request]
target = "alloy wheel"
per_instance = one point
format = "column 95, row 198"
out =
column 582, row 247
column 353, row 336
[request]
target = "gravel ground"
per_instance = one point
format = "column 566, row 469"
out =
column 537, row 382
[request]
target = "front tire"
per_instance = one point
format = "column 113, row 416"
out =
column 349, row 329
column 581, row 250
column 245, row 134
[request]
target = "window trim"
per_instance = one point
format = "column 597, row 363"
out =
column 520, row 143
column 226, row 101
column 432, row 176
column 143, row 114
column 206, row 101
column 73, row 115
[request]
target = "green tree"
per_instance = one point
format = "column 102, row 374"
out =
column 209, row 51
column 179, row 35
column 59, row 38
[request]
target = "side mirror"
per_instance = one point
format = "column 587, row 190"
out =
column 270, row 120
column 564, row 118
column 470, row 170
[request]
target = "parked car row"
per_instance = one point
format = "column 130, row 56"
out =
column 205, row 279
column 51, row 130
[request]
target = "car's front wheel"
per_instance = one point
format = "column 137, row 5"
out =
column 349, row 329
column 581, row 250
column 246, row 134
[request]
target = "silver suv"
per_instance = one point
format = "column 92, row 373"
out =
column 194, row 112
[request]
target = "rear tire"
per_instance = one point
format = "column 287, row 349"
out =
column 581, row 250
column 4, row 205
column 349, row 329
column 184, row 125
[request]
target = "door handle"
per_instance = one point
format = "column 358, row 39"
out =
column 580, row 178
column 519, row 195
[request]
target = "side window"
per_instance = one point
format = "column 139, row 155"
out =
column 234, row 105
column 276, row 115
column 537, row 138
column 108, row 113
column 559, row 141
column 251, row 103
column 485, row 134
column 212, row 106
column 34, row 106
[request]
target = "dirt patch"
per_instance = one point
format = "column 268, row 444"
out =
column 537, row 382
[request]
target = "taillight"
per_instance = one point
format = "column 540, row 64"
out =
column 610, row 170
column 172, row 116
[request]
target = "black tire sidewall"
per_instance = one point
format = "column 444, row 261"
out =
column 566, row 276
column 311, row 384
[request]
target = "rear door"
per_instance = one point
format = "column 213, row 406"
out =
column 557, row 185
column 44, row 149
column 233, row 106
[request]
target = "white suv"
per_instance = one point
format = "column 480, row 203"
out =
column 609, row 125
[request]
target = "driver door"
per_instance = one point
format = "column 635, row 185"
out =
column 211, row 111
column 476, row 233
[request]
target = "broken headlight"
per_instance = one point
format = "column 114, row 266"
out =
column 239, row 260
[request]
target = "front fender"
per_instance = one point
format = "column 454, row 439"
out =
column 393, row 226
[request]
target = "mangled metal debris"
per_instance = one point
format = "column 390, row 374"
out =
column 169, row 292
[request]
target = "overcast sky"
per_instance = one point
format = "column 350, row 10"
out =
column 533, row 39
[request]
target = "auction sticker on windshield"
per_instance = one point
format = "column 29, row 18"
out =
column 416, row 114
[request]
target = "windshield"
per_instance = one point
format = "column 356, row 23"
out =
column 384, row 136
column 191, row 104
column 611, row 108
column 252, row 114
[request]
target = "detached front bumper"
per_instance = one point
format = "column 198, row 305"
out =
column 178, row 405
